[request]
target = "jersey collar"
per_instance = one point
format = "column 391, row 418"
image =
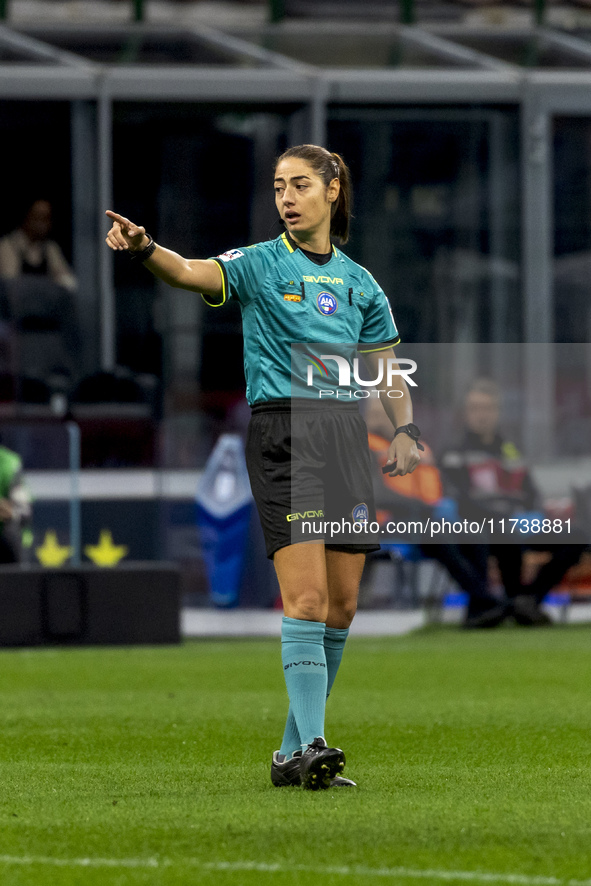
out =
column 292, row 245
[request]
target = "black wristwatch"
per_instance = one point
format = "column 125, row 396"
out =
column 412, row 431
column 145, row 253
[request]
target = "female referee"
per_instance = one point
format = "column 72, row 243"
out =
column 300, row 288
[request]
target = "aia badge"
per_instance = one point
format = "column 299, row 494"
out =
column 327, row 303
column 360, row 513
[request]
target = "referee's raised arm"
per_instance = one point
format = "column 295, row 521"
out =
column 194, row 274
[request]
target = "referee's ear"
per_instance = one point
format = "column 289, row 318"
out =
column 334, row 190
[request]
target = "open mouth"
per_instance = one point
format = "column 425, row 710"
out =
column 291, row 216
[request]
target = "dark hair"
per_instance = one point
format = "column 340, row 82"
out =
column 485, row 386
column 27, row 205
column 329, row 166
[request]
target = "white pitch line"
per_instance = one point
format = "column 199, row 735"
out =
column 83, row 862
column 278, row 868
column 401, row 872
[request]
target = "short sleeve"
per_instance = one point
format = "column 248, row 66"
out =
column 379, row 330
column 242, row 273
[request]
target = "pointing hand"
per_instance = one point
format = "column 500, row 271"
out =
column 125, row 235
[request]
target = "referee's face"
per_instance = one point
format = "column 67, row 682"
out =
column 303, row 201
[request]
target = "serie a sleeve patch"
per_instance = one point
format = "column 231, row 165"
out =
column 231, row 255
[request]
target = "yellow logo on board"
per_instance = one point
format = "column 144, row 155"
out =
column 51, row 553
column 106, row 553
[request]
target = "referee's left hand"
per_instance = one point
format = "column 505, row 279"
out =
column 403, row 450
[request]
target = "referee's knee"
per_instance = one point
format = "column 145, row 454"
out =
column 308, row 605
column 341, row 614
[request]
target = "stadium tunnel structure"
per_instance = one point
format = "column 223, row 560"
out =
column 281, row 84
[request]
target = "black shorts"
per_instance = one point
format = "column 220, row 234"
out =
column 310, row 470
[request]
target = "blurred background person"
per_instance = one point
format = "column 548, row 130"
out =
column 487, row 477
column 28, row 250
column 418, row 497
column 37, row 292
column 15, row 507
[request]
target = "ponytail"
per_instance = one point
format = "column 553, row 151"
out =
column 341, row 210
column 329, row 166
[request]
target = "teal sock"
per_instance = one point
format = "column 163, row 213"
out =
column 304, row 668
column 334, row 644
column 291, row 737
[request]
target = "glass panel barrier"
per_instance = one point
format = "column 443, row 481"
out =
column 437, row 216
column 572, row 232
column 186, row 197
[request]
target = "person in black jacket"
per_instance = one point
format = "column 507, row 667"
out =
column 488, row 478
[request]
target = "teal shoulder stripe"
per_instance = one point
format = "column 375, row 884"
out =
column 214, row 301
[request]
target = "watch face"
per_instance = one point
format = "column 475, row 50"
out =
column 414, row 430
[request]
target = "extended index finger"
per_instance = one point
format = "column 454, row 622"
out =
column 118, row 218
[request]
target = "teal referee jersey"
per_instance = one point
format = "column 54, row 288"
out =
column 286, row 298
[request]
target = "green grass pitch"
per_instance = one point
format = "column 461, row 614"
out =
column 130, row 766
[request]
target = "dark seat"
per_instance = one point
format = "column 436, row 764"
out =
column 109, row 387
column 43, row 319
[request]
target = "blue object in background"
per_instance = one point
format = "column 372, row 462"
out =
column 456, row 599
column 446, row 509
column 224, row 505
column 404, row 550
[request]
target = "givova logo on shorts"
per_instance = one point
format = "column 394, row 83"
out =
column 306, row 515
